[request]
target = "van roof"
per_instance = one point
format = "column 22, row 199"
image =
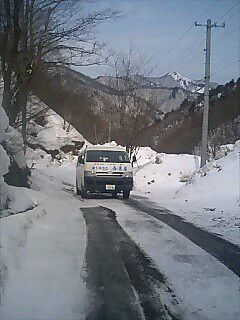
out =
column 106, row 148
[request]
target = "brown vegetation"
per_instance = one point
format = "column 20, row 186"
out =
column 180, row 131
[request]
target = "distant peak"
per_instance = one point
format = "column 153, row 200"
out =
column 175, row 73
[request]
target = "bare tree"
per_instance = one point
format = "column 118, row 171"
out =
column 128, row 112
column 40, row 34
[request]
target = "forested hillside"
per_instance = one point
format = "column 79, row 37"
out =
column 180, row 130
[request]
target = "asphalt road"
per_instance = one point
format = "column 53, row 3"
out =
column 122, row 279
column 225, row 251
column 123, row 282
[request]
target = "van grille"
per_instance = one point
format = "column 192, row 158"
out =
column 113, row 174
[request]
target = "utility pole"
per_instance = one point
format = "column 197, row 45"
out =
column 204, row 149
column 109, row 132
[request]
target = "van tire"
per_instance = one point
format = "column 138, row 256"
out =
column 114, row 194
column 84, row 193
column 77, row 190
column 126, row 194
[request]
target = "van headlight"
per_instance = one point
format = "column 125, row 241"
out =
column 128, row 174
column 88, row 173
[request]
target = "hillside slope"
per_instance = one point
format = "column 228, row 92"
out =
column 165, row 95
column 180, row 130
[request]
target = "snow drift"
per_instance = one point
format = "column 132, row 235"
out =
column 208, row 197
column 12, row 199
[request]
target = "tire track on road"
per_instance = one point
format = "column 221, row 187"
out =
column 225, row 251
column 123, row 281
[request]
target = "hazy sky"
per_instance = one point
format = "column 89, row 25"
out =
column 154, row 26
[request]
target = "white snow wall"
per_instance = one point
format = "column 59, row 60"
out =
column 4, row 160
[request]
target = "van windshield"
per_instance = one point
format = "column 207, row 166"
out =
column 107, row 156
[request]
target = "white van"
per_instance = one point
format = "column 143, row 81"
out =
column 104, row 170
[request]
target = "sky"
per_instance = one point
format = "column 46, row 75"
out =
column 153, row 28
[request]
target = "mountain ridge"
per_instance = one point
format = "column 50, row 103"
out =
column 167, row 81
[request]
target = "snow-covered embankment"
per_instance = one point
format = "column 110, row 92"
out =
column 208, row 197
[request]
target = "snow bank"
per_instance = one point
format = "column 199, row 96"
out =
column 4, row 160
column 12, row 199
column 43, row 250
column 53, row 135
column 208, row 197
column 14, row 146
column 3, row 123
column 158, row 175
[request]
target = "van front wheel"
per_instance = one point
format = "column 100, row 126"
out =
column 83, row 193
column 114, row 194
column 126, row 194
column 77, row 189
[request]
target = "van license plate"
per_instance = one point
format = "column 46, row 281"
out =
column 110, row 186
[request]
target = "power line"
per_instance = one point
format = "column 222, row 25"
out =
column 219, row 40
column 188, row 54
column 225, row 67
column 180, row 38
column 230, row 17
column 193, row 55
column 229, row 32
column 209, row 27
column 199, row 38
column 227, row 12
column 186, row 32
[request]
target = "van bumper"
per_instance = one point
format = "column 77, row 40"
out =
column 98, row 184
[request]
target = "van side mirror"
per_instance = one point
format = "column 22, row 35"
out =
column 81, row 160
column 134, row 159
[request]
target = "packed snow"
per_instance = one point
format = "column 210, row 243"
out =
column 4, row 160
column 54, row 135
column 208, row 197
column 42, row 255
column 12, row 199
column 14, row 146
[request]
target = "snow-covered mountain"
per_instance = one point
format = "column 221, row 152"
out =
column 169, row 81
column 167, row 92
column 174, row 80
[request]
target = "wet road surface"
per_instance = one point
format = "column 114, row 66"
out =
column 225, row 251
column 123, row 282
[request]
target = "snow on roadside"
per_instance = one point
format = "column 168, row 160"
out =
column 12, row 200
column 53, row 135
column 208, row 197
column 14, row 146
column 43, row 254
column 42, row 249
column 4, row 160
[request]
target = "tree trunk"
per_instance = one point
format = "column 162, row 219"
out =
column 23, row 98
column 69, row 123
column 7, row 94
column 21, row 105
